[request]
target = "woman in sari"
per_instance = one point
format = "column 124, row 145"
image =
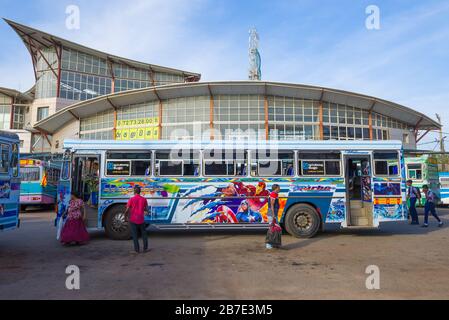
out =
column 74, row 230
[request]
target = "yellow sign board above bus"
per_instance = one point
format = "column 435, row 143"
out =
column 28, row 162
column 140, row 122
column 150, row 133
column 138, row 129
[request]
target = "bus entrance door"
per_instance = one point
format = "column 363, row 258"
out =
column 359, row 204
column 85, row 183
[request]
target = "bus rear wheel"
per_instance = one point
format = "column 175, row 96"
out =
column 115, row 225
column 302, row 221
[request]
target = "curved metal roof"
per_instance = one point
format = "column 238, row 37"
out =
column 44, row 39
column 90, row 107
column 17, row 94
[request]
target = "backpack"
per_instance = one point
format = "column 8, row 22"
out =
column 417, row 192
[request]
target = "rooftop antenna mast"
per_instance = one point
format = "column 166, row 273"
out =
column 441, row 140
column 255, row 62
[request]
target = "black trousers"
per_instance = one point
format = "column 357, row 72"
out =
column 134, row 231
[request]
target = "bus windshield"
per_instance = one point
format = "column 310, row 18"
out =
column 30, row 174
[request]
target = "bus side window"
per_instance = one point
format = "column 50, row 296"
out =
column 125, row 164
column 280, row 163
column 15, row 160
column 386, row 164
column 225, row 163
column 169, row 164
column 4, row 158
column 322, row 164
column 414, row 171
column 65, row 172
column 141, row 168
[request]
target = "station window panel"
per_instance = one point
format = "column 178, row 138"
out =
column 308, row 132
column 350, row 117
column 351, row 133
column 358, row 117
column 334, row 133
column 325, row 114
column 366, row 135
column 42, row 113
column 365, row 118
column 326, row 132
column 342, row 132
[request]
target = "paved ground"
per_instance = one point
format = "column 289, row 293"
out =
column 414, row 264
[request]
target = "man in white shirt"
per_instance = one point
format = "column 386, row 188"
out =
column 413, row 195
column 430, row 207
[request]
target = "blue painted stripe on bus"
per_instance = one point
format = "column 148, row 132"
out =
column 4, row 227
column 7, row 220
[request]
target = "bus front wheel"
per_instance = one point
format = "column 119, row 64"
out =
column 302, row 221
column 116, row 227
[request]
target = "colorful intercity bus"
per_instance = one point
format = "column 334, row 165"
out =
column 444, row 188
column 423, row 170
column 39, row 181
column 9, row 181
column 226, row 184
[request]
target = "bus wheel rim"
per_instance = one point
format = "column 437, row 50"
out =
column 303, row 220
column 118, row 223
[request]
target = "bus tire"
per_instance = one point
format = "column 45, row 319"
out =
column 115, row 225
column 302, row 221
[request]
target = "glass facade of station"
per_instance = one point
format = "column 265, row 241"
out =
column 84, row 76
column 237, row 116
column 6, row 107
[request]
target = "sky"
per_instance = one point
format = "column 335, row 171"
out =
column 324, row 43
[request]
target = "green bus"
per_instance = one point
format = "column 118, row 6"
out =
column 422, row 168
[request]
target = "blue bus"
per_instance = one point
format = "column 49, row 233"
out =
column 226, row 184
column 39, row 181
column 9, row 181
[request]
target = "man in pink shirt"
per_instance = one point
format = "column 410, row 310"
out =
column 135, row 214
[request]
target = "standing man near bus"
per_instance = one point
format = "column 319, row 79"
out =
column 413, row 195
column 430, row 207
column 273, row 213
column 137, row 206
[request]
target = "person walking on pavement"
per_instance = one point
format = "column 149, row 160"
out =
column 273, row 213
column 430, row 207
column 413, row 195
column 135, row 213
